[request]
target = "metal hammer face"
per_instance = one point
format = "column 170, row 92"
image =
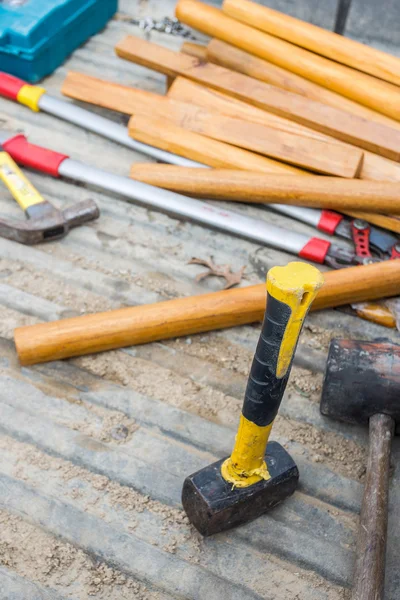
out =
column 257, row 476
column 361, row 379
column 45, row 223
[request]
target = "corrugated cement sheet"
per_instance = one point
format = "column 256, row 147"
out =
column 94, row 450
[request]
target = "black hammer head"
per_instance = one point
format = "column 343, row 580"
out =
column 361, row 379
column 213, row 504
column 46, row 223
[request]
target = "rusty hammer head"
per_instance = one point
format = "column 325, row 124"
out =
column 46, row 223
column 362, row 379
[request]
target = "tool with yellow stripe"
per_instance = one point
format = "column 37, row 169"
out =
column 259, row 474
column 45, row 222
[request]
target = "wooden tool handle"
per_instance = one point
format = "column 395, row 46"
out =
column 369, row 576
column 365, row 89
column 244, row 186
column 185, row 316
column 197, row 50
column 162, row 134
column 189, row 91
column 324, row 156
column 238, row 60
column 326, row 43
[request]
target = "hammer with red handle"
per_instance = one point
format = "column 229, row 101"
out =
column 44, row 222
column 362, row 386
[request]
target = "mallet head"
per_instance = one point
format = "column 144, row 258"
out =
column 214, row 504
column 46, row 223
column 362, row 379
column 257, row 477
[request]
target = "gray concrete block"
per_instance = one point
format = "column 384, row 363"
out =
column 375, row 23
column 319, row 12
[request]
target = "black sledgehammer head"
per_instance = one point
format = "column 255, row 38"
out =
column 361, row 379
column 214, row 505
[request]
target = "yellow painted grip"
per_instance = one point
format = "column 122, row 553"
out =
column 30, row 96
column 20, row 187
column 291, row 290
column 296, row 286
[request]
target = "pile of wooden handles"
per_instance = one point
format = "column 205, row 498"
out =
column 284, row 112
column 239, row 111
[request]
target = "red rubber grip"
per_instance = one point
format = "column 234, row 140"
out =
column 10, row 85
column 315, row 250
column 329, row 221
column 35, row 157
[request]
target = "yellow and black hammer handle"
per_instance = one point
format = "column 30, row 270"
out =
column 20, row 187
column 290, row 293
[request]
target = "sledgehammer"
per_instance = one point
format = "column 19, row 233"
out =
column 362, row 385
column 258, row 475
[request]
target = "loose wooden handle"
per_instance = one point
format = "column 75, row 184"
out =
column 197, row 50
column 244, row 186
column 162, row 134
column 365, row 89
column 189, row 91
column 185, row 316
column 229, row 56
column 321, row 156
column 369, row 576
column 121, row 98
column 349, row 128
column 324, row 156
column 384, row 221
column 326, row 43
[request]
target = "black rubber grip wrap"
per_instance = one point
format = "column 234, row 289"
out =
column 264, row 390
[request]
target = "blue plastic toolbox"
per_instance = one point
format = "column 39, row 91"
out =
column 37, row 35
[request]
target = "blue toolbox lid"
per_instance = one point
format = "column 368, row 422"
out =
column 37, row 35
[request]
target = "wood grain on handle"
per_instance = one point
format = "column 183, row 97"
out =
column 326, row 43
column 197, row 50
column 233, row 58
column 365, row 89
column 321, row 156
column 162, row 134
column 189, row 91
column 186, row 316
column 244, row 186
column 324, row 156
column 374, row 167
column 349, row 128
column 369, row 576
